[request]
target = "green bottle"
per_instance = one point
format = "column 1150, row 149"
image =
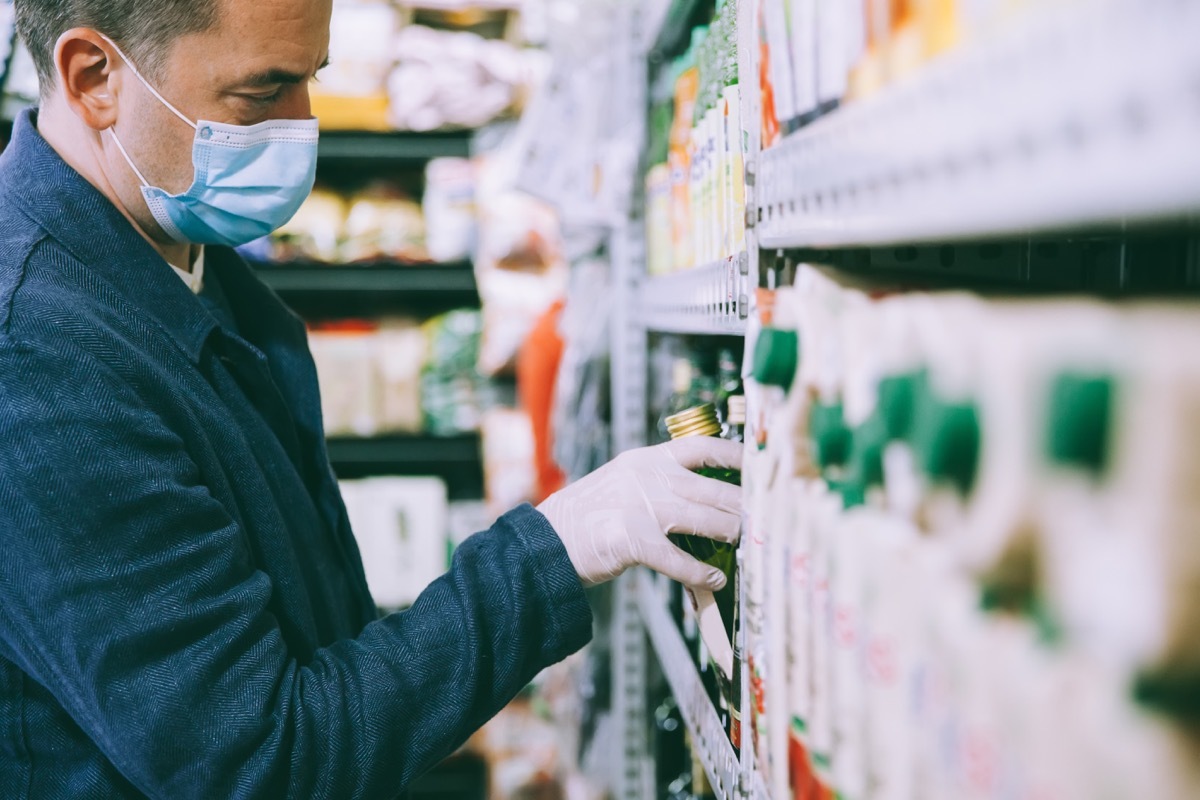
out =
column 703, row 421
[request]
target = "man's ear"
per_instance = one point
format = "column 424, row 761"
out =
column 89, row 69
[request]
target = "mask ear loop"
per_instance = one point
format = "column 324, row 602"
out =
column 151, row 89
column 128, row 160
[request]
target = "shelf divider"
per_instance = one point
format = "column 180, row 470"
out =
column 708, row 735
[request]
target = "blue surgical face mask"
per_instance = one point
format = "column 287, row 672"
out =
column 249, row 181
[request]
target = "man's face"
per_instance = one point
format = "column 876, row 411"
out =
column 254, row 65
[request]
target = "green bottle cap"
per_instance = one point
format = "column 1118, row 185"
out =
column 1079, row 421
column 947, row 438
column 853, row 494
column 866, row 451
column 1173, row 691
column 829, row 434
column 776, row 356
column 897, row 397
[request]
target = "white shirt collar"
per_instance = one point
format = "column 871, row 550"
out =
column 195, row 278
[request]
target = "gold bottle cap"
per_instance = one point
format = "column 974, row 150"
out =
column 737, row 410
column 698, row 421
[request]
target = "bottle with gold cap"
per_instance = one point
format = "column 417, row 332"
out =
column 715, row 611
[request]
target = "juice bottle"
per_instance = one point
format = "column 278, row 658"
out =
column 679, row 161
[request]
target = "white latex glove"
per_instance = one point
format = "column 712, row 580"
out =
column 620, row 515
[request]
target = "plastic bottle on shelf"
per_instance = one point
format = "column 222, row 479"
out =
column 735, row 422
column 869, row 75
column 775, row 71
column 736, row 138
column 821, row 374
column 833, row 57
column 679, row 159
column 776, row 353
column 1118, row 529
column 659, row 258
column 803, row 47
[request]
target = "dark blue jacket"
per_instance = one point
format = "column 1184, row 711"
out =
column 183, row 612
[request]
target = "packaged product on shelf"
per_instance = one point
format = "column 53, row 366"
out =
column 821, row 735
column 400, row 525
column 687, row 86
column 735, row 135
column 714, row 610
column 659, row 254
column 870, row 73
column 778, row 89
column 906, row 43
column 521, row 272
column 401, row 351
column 449, row 208
column 352, row 92
column 775, row 347
column 838, row 46
column 736, row 138
column 1119, row 511
column 1000, row 541
column 796, row 705
column 384, row 223
column 508, row 458
column 891, row 613
column 345, row 357
column 449, row 79
column 803, row 55
column 314, row 234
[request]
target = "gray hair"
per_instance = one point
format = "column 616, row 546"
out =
column 145, row 29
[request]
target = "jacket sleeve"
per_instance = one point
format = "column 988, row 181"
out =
column 132, row 595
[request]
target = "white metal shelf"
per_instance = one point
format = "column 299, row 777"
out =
column 709, row 738
column 712, row 299
column 1080, row 114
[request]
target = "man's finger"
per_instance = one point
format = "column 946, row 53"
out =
column 706, row 451
column 679, row 566
column 709, row 491
column 696, row 519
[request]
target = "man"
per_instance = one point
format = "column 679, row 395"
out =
column 183, row 612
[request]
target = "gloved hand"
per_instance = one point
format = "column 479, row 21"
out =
column 620, row 515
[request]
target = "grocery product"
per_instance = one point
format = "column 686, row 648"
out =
column 700, row 153
column 450, row 210
column 714, row 610
column 401, row 528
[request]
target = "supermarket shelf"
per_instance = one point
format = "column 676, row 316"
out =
column 319, row 291
column 460, row 777
column 1078, row 116
column 393, row 148
column 708, row 735
column 712, row 299
column 458, row 460
column 456, row 278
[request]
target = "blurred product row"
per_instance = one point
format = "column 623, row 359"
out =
column 381, row 220
column 696, row 186
column 970, row 564
column 398, row 376
column 708, row 106
column 819, row 54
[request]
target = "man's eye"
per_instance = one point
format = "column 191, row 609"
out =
column 263, row 99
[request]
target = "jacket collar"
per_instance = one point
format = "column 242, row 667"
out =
column 76, row 215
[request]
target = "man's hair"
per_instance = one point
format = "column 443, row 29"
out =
column 144, row 29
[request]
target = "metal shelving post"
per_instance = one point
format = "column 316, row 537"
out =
column 715, row 299
column 635, row 775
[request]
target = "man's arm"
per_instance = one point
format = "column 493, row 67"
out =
column 130, row 593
